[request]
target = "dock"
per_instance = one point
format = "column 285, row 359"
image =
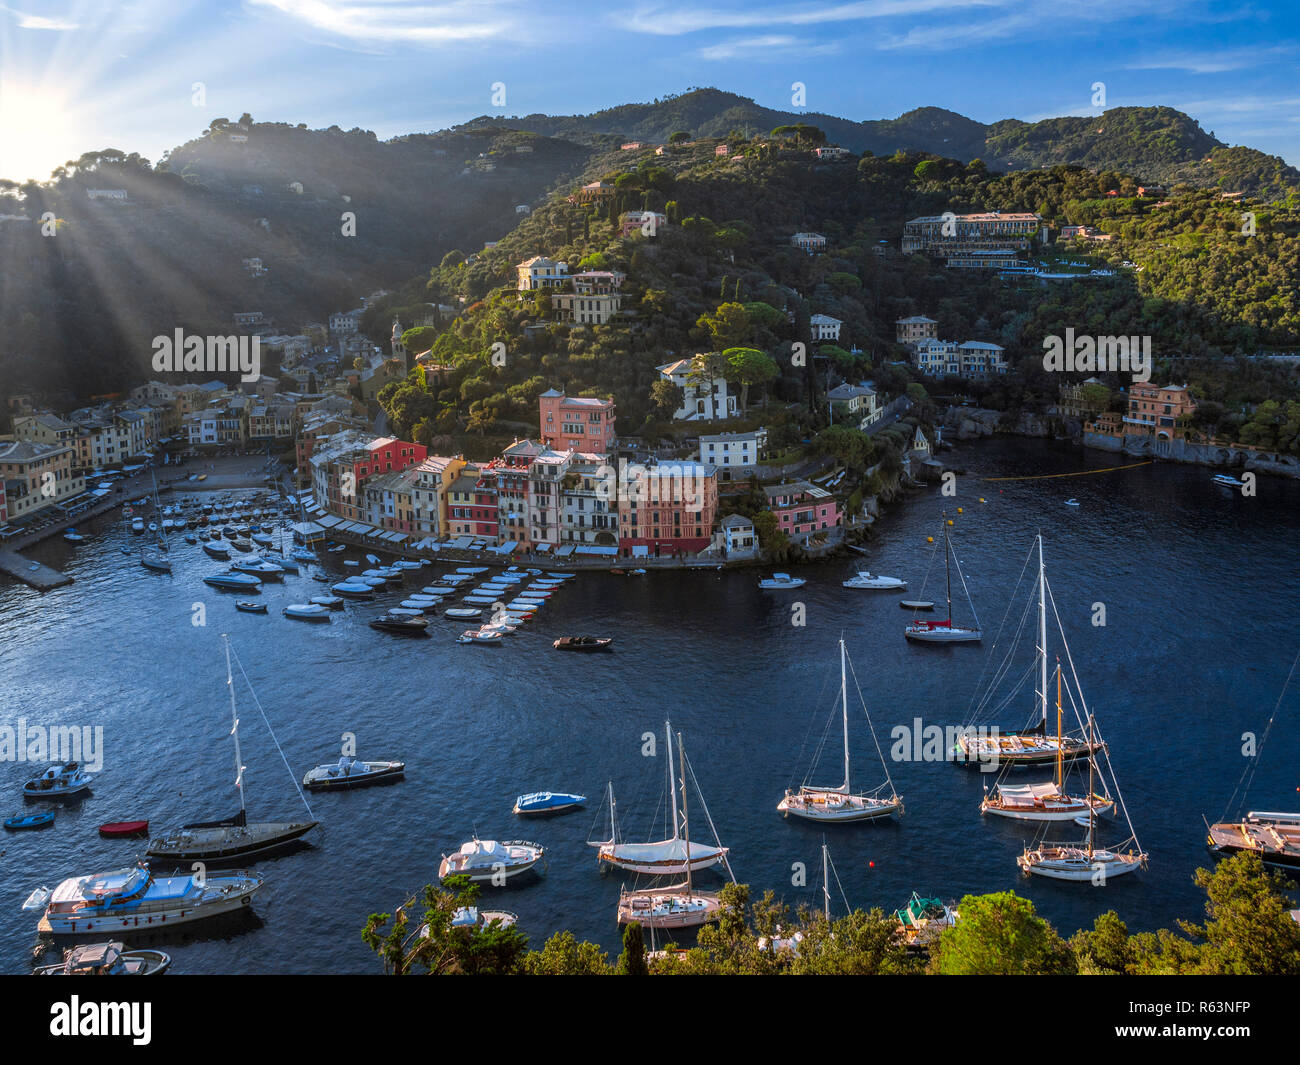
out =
column 37, row 574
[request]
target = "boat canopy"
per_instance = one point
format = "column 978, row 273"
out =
column 1025, row 794
column 664, row 851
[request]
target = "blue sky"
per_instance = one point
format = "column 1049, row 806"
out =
column 77, row 75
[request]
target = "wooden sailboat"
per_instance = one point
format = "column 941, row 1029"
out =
column 1044, row 802
column 1029, row 746
column 945, row 631
column 678, row 905
column 235, row 838
column 666, row 856
column 841, row 804
column 1080, row 862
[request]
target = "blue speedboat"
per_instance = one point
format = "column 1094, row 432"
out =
column 547, row 802
column 17, row 824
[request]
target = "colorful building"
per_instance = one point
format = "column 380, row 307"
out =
column 667, row 508
column 802, row 508
column 36, row 476
column 1156, row 410
column 577, row 423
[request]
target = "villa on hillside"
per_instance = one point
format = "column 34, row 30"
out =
column 703, row 400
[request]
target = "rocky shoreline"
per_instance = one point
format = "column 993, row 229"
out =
column 974, row 423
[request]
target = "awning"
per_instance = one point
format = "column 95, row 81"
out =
column 593, row 549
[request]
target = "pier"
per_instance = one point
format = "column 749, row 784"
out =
column 37, row 574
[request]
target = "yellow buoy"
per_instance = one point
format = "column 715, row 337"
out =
column 981, row 499
column 959, row 510
column 950, row 521
column 929, row 539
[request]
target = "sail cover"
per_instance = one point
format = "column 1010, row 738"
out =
column 668, row 850
column 1026, row 794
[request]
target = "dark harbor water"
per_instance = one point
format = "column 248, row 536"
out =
column 1203, row 621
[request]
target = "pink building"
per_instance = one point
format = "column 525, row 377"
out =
column 802, row 508
column 576, row 423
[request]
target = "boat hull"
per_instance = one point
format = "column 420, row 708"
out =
column 229, row 843
column 652, row 909
column 833, row 807
column 1073, row 864
column 1058, row 812
column 390, row 771
column 111, row 924
column 943, row 635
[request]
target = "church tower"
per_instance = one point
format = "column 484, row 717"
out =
column 399, row 348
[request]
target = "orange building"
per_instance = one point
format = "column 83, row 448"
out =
column 1156, row 410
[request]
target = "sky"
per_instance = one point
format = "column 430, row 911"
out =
column 146, row 75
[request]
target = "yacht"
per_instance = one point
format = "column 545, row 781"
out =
column 864, row 579
column 134, row 898
column 781, row 580
column 488, row 860
column 259, row 568
column 348, row 772
column 402, row 625
column 1228, row 481
column 58, row 782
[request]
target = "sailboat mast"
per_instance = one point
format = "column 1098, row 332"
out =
column 1060, row 753
column 1092, row 814
column 826, row 883
column 947, row 570
column 234, row 726
column 672, row 777
column 686, row 822
column 1042, row 632
column 844, row 701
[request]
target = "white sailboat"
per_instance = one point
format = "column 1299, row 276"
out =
column 678, row 905
column 1044, row 802
column 841, row 803
column 945, row 631
column 1085, row 861
column 155, row 557
column 666, row 856
column 1034, row 745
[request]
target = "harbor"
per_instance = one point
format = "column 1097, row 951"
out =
column 475, row 728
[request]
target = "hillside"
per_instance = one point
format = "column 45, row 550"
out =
column 77, row 310
column 1154, row 144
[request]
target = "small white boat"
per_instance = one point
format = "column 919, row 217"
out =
column 353, row 590
column 307, row 612
column 463, row 612
column 479, row 636
column 259, row 568
column 348, row 772
column 107, row 959
column 241, row 581
column 73, row 537
column 471, row 570
column 333, row 602
column 1227, row 481
column 547, row 802
column 490, row 861
column 778, row 581
column 1072, row 503
column 865, row 579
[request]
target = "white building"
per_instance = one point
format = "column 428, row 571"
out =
column 733, row 453
column 808, row 242
column 824, row 327
column 855, row 404
column 541, row 272
column 703, row 399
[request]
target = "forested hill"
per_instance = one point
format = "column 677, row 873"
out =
column 77, row 309
column 1154, row 144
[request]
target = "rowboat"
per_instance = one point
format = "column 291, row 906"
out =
column 124, row 828
column 25, row 821
column 250, row 607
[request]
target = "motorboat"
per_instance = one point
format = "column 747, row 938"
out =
column 778, row 581
column 463, row 612
column 868, row 580
column 244, row 582
column 137, row 525
column 353, row 590
column 23, row 822
column 348, row 772
column 259, row 568
column 133, row 898
column 479, row 636
column 301, row 554
column 307, row 612
column 73, row 537
column 473, row 917
column 401, row 625
column 107, row 959
column 488, row 860
column 423, row 606
column 332, row 602
column 249, row 607
column 58, row 782
column 547, row 802
column 239, row 543
column 1227, row 481
column 471, row 570
column 584, row 643
column 1274, row 837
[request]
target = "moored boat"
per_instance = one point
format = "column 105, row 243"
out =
column 58, row 782
column 488, row 860
column 349, row 772
column 401, row 625
column 778, row 581
column 866, row 579
column 107, row 959
column 23, row 822
column 248, row 607
column 547, row 802
column 584, row 643
column 124, row 828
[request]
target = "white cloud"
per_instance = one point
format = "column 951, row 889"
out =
column 40, row 22
column 771, row 46
column 1216, row 62
column 397, row 22
column 679, row 20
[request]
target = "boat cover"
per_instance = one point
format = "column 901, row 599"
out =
column 1025, row 794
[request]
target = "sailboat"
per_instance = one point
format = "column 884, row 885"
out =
column 235, row 838
column 155, row 557
column 662, row 856
column 1080, row 862
column 1033, row 745
column 840, row 803
column 1272, row 836
column 1044, row 802
column 945, row 631
column 678, row 905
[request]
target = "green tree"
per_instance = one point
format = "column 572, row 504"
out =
column 563, row 955
column 729, row 326
column 632, row 961
column 1000, row 935
column 749, row 366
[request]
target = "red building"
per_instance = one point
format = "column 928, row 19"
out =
column 666, row 509
column 802, row 508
